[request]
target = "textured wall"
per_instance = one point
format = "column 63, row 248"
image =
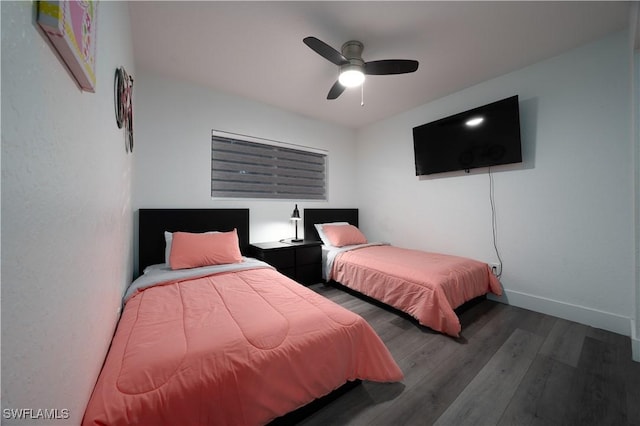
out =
column 634, row 49
column 66, row 215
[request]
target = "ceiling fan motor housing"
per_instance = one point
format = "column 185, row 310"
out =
column 352, row 50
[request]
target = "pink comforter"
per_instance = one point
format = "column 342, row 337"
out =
column 237, row 348
column 428, row 286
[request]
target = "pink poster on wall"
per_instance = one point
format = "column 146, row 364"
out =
column 71, row 28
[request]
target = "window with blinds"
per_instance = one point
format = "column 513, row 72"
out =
column 248, row 168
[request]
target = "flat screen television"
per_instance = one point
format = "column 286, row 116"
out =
column 481, row 137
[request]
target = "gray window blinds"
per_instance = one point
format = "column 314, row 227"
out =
column 246, row 168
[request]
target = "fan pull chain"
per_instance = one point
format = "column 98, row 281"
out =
column 362, row 94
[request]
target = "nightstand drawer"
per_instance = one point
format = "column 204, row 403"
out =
column 279, row 259
column 309, row 274
column 289, row 272
column 307, row 255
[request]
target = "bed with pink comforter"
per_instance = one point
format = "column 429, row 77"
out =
column 232, row 348
column 427, row 286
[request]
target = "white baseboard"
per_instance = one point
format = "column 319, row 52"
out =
column 580, row 314
column 635, row 342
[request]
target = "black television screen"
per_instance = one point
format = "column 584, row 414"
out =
column 481, row 137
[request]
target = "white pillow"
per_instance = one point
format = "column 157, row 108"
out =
column 168, row 238
column 323, row 237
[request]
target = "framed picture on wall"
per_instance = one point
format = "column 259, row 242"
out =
column 71, row 28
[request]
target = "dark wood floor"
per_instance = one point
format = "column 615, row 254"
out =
column 510, row 366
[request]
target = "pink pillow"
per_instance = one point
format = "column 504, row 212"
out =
column 344, row 235
column 189, row 250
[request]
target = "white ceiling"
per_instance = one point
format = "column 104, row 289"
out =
column 255, row 49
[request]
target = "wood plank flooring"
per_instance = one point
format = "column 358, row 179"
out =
column 510, row 366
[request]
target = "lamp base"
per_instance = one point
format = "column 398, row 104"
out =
column 291, row 240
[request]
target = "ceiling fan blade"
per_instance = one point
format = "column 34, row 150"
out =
column 390, row 66
column 336, row 90
column 326, row 51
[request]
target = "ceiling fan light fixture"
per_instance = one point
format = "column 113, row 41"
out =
column 351, row 76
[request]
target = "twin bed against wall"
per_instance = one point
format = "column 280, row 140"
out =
column 427, row 286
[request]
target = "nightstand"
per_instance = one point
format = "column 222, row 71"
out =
column 300, row 261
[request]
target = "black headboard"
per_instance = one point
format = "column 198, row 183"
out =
column 153, row 223
column 313, row 216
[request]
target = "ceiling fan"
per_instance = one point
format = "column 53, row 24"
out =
column 353, row 68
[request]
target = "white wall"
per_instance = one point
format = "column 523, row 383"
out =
column 634, row 52
column 66, row 215
column 565, row 216
column 173, row 151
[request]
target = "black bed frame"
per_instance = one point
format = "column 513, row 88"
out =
column 313, row 216
column 153, row 222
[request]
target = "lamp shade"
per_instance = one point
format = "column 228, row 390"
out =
column 296, row 213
